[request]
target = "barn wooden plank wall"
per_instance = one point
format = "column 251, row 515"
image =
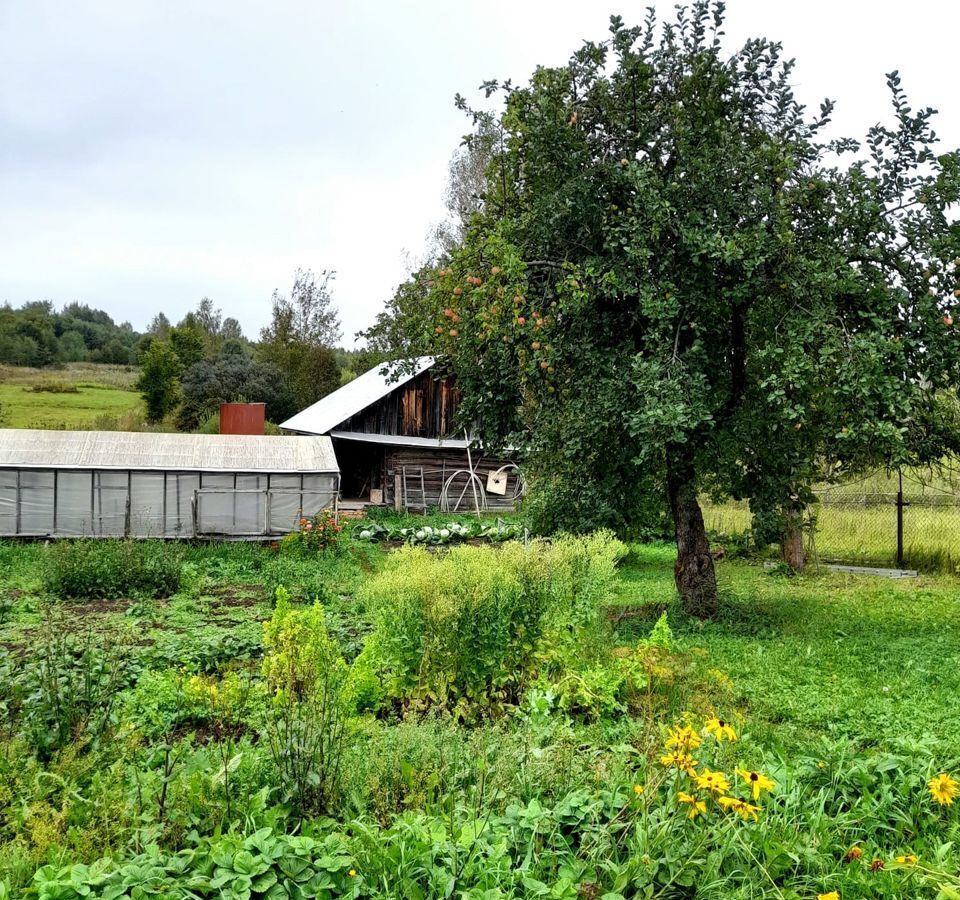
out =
column 438, row 465
column 423, row 407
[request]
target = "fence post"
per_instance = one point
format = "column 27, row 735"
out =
column 900, row 520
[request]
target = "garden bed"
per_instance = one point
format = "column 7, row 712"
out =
column 480, row 690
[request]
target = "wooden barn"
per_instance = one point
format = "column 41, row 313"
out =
column 395, row 439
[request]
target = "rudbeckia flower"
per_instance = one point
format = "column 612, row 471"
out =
column 713, row 781
column 833, row 895
column 696, row 805
column 720, row 730
column 943, row 789
column 683, row 738
column 756, row 781
column 907, row 860
column 679, row 760
column 743, row 809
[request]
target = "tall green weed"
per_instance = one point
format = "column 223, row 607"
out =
column 462, row 629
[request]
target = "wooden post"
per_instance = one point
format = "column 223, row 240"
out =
column 473, row 483
column 397, row 491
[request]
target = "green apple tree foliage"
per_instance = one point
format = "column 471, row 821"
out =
column 676, row 278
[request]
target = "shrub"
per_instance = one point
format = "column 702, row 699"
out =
column 107, row 569
column 307, row 679
column 372, row 530
column 462, row 629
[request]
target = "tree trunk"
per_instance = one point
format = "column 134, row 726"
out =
column 791, row 542
column 694, row 573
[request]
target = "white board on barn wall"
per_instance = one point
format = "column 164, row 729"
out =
column 497, row 483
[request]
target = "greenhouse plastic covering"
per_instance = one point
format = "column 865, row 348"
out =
column 105, row 484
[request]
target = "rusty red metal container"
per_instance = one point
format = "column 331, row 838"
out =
column 242, row 418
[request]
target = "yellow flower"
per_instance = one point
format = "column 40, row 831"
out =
column 943, row 789
column 756, row 781
column 853, row 854
column 833, row 895
column 679, row 760
column 638, row 789
column 683, row 738
column 907, row 860
column 740, row 807
column 696, row 806
column 352, row 872
column 720, row 729
column 713, row 781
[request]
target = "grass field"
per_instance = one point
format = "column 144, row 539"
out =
column 104, row 397
column 867, row 534
column 841, row 689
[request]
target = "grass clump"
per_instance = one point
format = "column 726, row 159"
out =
column 54, row 387
column 109, row 569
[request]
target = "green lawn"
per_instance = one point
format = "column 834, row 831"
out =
column 865, row 659
column 104, row 397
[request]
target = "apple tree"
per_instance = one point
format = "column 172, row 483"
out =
column 675, row 278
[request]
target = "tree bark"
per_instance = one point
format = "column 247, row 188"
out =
column 791, row 542
column 694, row 573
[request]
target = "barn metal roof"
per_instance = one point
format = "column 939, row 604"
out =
column 25, row 448
column 355, row 396
column 402, row 440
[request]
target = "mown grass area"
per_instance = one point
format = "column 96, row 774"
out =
column 868, row 660
column 502, row 715
column 78, row 396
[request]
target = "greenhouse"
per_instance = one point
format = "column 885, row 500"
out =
column 123, row 484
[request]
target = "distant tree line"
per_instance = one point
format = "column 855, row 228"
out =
column 187, row 370
column 36, row 334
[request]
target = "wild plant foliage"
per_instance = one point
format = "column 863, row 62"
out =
column 462, row 629
column 306, row 678
column 110, row 569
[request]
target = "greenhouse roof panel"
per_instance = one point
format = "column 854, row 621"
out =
column 26, row 448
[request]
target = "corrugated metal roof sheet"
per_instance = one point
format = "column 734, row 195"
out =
column 401, row 440
column 355, row 396
column 24, row 448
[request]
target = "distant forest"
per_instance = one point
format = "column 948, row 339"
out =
column 37, row 334
column 188, row 369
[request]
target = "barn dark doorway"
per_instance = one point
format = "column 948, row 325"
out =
column 361, row 469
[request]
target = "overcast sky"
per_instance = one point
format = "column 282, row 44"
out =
column 152, row 153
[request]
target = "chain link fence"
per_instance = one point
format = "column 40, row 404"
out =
column 914, row 526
